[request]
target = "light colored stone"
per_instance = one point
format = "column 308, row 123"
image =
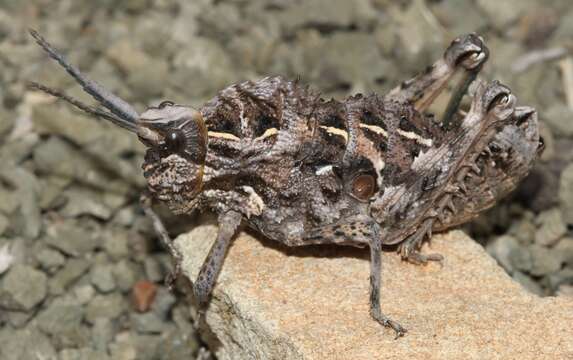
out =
column 551, row 228
column 22, row 288
column 312, row 303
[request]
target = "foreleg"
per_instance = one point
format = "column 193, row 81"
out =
column 228, row 224
column 203, row 285
column 163, row 235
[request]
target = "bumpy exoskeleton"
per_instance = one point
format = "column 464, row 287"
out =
column 366, row 171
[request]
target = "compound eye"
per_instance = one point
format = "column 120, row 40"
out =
column 363, row 186
column 165, row 103
column 174, row 141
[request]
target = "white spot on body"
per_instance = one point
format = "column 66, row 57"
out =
column 323, row 170
column 379, row 165
column 255, row 200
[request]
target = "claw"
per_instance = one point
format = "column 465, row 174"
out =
column 463, row 188
column 399, row 329
column 429, row 233
column 473, row 167
column 417, row 258
column 389, row 323
column 468, row 51
column 450, row 205
column 474, row 60
column 409, row 249
column 487, row 152
column 451, row 189
column 522, row 114
column 498, row 100
column 172, row 277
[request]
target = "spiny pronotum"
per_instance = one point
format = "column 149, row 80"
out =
column 369, row 170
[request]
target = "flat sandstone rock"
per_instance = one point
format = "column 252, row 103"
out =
column 273, row 302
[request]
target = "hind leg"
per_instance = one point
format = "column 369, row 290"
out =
column 409, row 249
column 492, row 106
column 467, row 53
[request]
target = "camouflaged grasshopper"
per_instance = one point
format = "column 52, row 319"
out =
column 365, row 171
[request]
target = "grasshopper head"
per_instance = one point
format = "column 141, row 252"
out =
column 176, row 138
column 175, row 135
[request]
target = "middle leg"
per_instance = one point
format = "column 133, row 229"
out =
column 357, row 231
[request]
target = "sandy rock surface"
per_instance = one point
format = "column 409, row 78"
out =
column 312, row 303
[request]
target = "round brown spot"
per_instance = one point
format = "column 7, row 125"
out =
column 363, row 186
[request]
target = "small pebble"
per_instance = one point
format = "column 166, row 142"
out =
column 105, row 306
column 528, row 283
column 72, row 237
column 147, row 322
column 84, row 293
column 102, row 278
column 143, row 294
column 82, row 354
column 116, row 243
column 50, row 259
column 125, row 273
column 25, row 344
column 163, row 303
column 153, row 269
column 62, row 321
column 545, row 261
column 565, row 290
column 67, row 275
column 103, row 331
column 22, row 288
column 552, row 227
column 501, row 248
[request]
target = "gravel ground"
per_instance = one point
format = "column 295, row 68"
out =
column 81, row 272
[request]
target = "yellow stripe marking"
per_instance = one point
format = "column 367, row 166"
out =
column 375, row 129
column 268, row 132
column 335, row 131
column 413, row 136
column 222, row 135
column 407, row 134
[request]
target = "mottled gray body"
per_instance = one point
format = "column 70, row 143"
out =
column 365, row 171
